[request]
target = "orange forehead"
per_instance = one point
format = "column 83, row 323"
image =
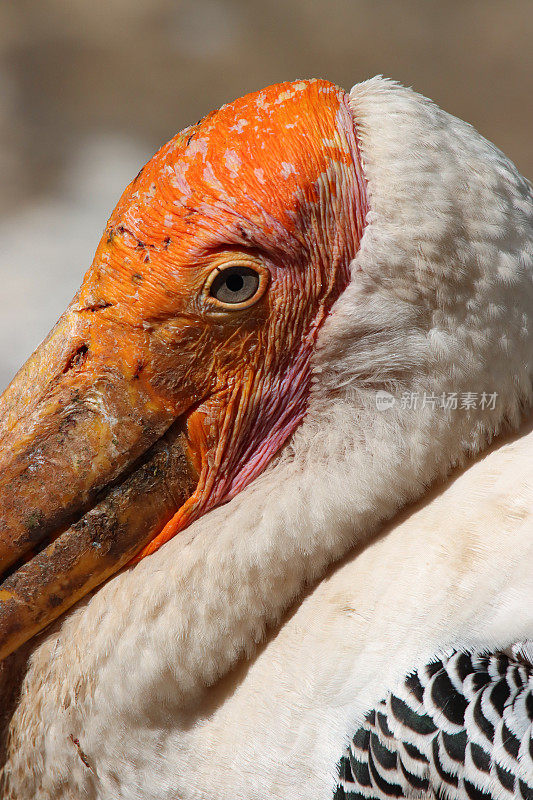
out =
column 286, row 133
column 241, row 174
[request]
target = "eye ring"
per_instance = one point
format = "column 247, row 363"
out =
column 236, row 285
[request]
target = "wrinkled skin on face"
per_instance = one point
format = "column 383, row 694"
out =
column 235, row 185
column 270, row 184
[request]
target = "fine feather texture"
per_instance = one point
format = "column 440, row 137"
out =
column 461, row 727
column 115, row 703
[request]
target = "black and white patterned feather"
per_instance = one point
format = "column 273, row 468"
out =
column 460, row 728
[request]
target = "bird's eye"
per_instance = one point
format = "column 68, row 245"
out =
column 236, row 286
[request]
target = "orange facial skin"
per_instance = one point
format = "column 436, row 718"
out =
column 269, row 178
column 271, row 183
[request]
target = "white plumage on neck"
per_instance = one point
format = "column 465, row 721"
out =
column 440, row 300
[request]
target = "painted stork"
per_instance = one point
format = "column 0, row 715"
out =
column 307, row 313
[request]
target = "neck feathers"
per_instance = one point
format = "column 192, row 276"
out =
column 439, row 305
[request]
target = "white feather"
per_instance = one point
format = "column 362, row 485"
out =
column 441, row 300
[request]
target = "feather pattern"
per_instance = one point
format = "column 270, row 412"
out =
column 186, row 677
column 459, row 727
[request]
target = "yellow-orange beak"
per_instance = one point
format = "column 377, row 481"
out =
column 92, row 466
column 183, row 364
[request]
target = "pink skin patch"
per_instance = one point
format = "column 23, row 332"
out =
column 274, row 178
column 284, row 404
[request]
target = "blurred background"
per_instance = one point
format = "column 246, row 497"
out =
column 90, row 89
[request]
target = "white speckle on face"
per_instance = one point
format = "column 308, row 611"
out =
column 210, row 177
column 284, row 96
column 197, row 146
column 261, row 102
column 168, row 220
column 259, row 174
column 233, row 162
column 287, row 169
column 150, row 193
column 179, row 180
column 239, row 125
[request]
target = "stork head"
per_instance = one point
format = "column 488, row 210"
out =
column 270, row 270
column 183, row 364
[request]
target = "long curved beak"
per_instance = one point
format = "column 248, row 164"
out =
column 92, row 465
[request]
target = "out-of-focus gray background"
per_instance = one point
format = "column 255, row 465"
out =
column 89, row 89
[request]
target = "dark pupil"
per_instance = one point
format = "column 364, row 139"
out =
column 235, row 285
column 235, row 282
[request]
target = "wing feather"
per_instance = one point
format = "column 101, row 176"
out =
column 459, row 728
